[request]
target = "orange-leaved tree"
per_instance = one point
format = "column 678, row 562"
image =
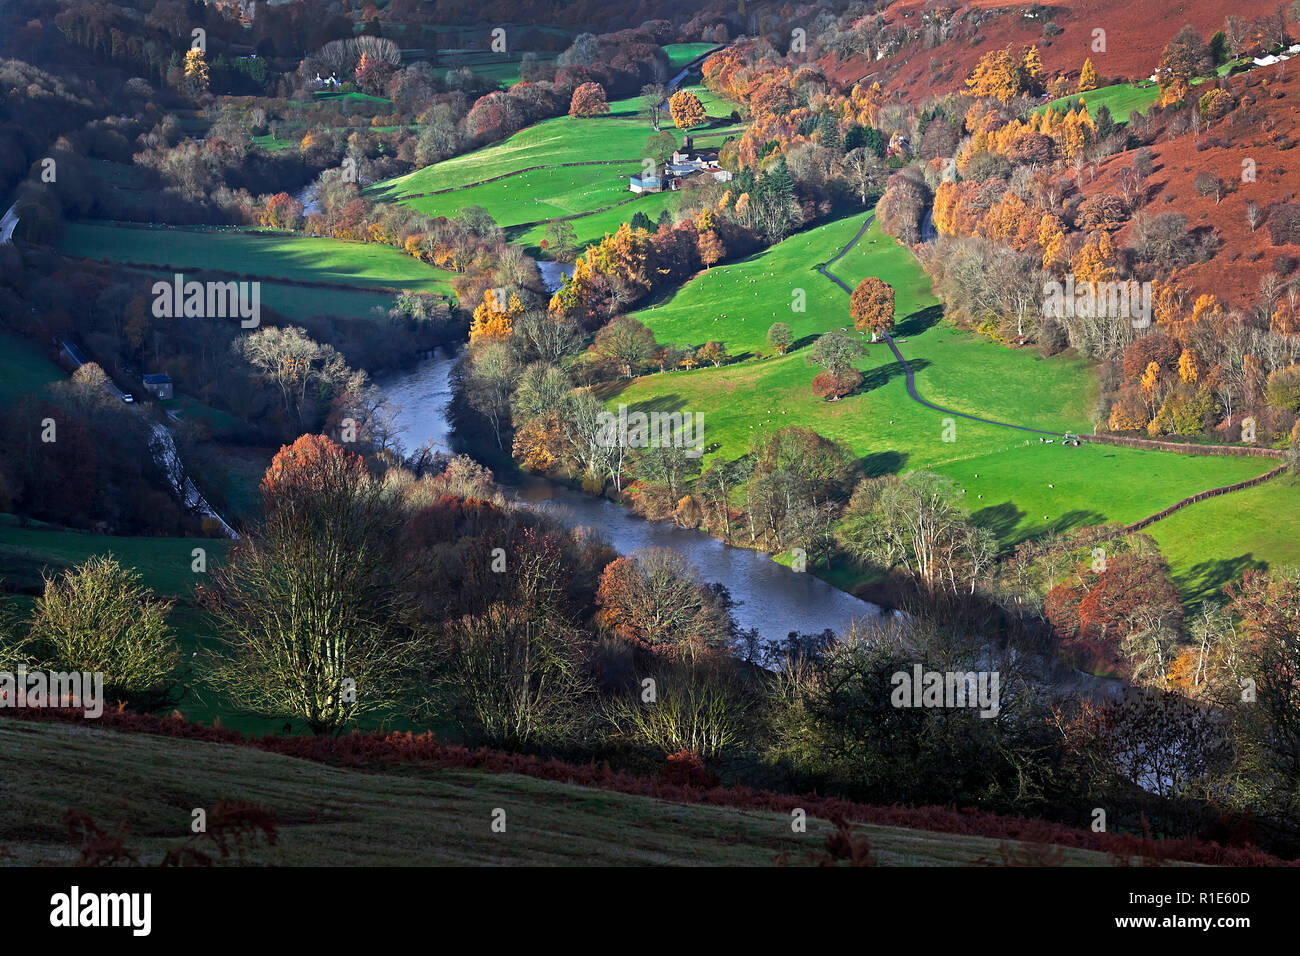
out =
column 686, row 109
column 872, row 306
column 493, row 318
column 588, row 100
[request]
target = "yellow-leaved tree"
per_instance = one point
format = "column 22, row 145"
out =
column 686, row 109
column 1087, row 77
column 493, row 318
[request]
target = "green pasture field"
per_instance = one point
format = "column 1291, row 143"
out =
column 258, row 255
column 537, row 194
column 679, row 54
column 1121, row 99
column 622, row 135
column 1212, row 542
column 25, row 369
column 164, row 563
column 591, row 229
column 1028, row 486
column 300, row 303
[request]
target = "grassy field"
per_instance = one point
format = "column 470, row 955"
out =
column 164, row 563
column 620, row 136
column 737, row 303
column 25, row 369
column 592, row 228
column 257, row 255
column 1212, row 542
column 537, row 194
column 300, row 303
column 1121, row 99
column 679, row 54
column 331, row 816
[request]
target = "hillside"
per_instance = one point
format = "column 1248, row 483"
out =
column 331, row 816
column 920, row 68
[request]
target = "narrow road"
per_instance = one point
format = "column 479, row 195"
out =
column 907, row 368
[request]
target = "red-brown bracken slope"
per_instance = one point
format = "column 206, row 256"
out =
column 1135, row 32
column 1264, row 128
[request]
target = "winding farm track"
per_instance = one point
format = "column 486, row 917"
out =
column 907, row 368
column 916, row 397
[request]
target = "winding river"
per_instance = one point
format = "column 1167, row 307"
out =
column 771, row 597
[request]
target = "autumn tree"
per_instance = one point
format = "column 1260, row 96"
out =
column 196, row 72
column 282, row 211
column 1185, row 58
column 625, row 343
column 588, row 100
column 715, row 353
column 834, row 385
column 493, row 318
column 1087, row 77
column 998, row 74
column 872, row 306
column 711, row 248
column 687, row 110
column 310, row 608
column 373, row 74
column 655, row 599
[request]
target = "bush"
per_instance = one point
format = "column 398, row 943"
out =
column 99, row 618
column 1284, row 225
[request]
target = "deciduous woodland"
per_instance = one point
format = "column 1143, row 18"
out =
column 987, row 315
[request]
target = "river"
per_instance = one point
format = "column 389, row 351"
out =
column 771, row 597
column 7, row 224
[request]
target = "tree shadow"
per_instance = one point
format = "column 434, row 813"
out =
column 1001, row 519
column 881, row 463
column 1078, row 518
column 918, row 322
column 880, row 376
column 671, row 402
column 1206, row 580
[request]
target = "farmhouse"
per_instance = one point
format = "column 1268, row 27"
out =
column 682, row 166
column 159, row 385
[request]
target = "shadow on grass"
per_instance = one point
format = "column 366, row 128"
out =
column 918, row 322
column 1001, row 519
column 881, row 463
column 1205, row 581
column 1005, row 519
column 671, row 402
column 882, row 375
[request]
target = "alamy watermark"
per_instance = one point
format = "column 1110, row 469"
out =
column 946, row 689
column 208, row 300
column 1114, row 300
column 82, row 690
column 654, row 430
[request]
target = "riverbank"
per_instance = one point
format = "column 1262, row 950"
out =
column 771, row 597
